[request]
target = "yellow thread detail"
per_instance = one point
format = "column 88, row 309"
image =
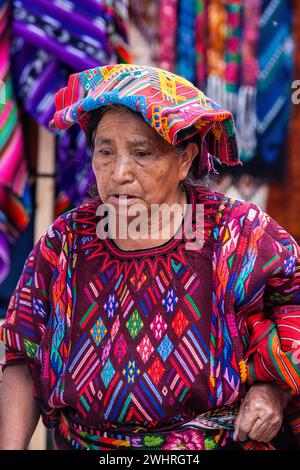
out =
column 243, row 371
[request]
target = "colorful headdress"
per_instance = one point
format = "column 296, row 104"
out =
column 171, row 105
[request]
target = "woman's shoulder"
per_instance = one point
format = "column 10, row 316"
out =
column 232, row 218
column 222, row 208
column 77, row 217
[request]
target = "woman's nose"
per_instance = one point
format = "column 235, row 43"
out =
column 122, row 170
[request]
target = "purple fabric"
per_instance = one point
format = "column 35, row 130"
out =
column 51, row 41
column 4, row 257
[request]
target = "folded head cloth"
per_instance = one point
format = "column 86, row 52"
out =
column 171, row 105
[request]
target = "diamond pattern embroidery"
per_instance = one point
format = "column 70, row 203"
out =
column 134, row 324
column 111, row 305
column 107, row 373
column 170, row 300
column 165, row 348
column 158, row 326
column 156, row 371
column 131, row 371
column 145, row 349
column 120, row 348
column 180, row 323
column 98, row 331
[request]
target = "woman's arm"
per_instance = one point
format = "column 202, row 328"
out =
column 19, row 411
column 268, row 315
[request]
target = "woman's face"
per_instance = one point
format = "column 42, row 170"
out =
column 131, row 159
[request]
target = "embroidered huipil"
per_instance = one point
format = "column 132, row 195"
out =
column 140, row 348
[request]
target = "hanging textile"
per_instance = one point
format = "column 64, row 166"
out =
column 143, row 31
column 4, row 248
column 273, row 94
column 234, row 35
column 239, row 52
column 274, row 83
column 167, row 34
column 117, row 23
column 15, row 203
column 144, row 16
column 217, row 19
column 232, row 55
column 186, row 52
column 201, row 35
column 52, row 40
column 246, row 121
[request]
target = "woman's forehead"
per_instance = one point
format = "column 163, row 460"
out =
column 124, row 122
column 134, row 140
column 122, row 115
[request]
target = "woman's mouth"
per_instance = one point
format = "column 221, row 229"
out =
column 123, row 199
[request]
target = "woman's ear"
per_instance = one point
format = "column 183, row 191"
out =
column 187, row 157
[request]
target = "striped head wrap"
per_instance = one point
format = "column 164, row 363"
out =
column 170, row 104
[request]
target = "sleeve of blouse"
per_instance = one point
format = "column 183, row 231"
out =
column 28, row 311
column 270, row 312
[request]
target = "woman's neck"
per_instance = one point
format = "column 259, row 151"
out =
column 158, row 233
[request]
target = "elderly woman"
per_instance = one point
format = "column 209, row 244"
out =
column 123, row 334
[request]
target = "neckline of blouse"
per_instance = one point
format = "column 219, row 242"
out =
column 167, row 246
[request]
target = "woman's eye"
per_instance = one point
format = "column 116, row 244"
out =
column 142, row 153
column 104, row 152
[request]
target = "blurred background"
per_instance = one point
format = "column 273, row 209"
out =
column 244, row 54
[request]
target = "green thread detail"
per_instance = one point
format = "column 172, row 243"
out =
column 30, row 348
column 193, row 305
column 153, row 441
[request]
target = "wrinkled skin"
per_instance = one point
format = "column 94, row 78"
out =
column 130, row 159
column 261, row 413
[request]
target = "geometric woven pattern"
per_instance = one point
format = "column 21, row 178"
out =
column 98, row 331
column 111, row 305
column 131, row 371
column 107, row 373
column 165, row 348
column 180, row 323
column 127, row 343
column 167, row 102
column 158, row 326
column 134, row 324
column 145, row 349
column 169, row 301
